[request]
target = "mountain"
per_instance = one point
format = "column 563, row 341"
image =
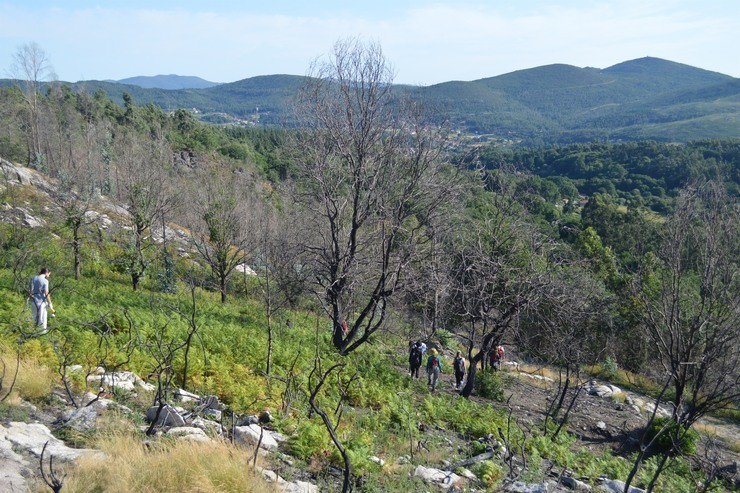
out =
column 646, row 98
column 171, row 81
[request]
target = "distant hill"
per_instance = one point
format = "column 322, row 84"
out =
column 647, row 98
column 168, row 82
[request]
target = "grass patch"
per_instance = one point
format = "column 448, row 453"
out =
column 33, row 381
column 164, row 466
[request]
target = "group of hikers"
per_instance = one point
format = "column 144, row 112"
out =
column 434, row 363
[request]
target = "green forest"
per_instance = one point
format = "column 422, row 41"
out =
column 289, row 268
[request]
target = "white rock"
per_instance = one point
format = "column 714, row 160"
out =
column 189, row 433
column 250, row 435
column 519, row 487
column 245, row 269
column 11, row 472
column 298, row 487
column 435, row 476
column 210, row 427
column 468, row 474
column 33, row 436
column 185, row 396
column 614, row 486
column 377, row 460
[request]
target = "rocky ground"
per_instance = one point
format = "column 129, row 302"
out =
column 604, row 420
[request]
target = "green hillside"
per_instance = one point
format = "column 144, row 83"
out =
column 647, row 98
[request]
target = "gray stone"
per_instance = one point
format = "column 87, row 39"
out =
column 437, row 477
column 575, row 485
column 210, row 427
column 189, row 433
column 12, row 470
column 168, row 416
column 614, row 486
column 249, row 420
column 298, row 487
column 185, row 396
column 519, row 487
column 210, row 402
column 83, row 419
column 32, row 437
column 377, row 460
column 250, row 435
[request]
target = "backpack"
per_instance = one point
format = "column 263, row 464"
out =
column 435, row 362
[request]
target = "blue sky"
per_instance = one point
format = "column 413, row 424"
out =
column 427, row 42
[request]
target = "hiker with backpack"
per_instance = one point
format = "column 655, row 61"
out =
column 497, row 357
column 415, row 356
column 40, row 297
column 459, row 366
column 434, row 368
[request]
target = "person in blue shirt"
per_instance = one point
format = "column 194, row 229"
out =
column 40, row 298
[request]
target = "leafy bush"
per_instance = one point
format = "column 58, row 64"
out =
column 445, row 337
column 687, row 438
column 489, row 472
column 488, row 384
column 310, row 440
column 610, row 368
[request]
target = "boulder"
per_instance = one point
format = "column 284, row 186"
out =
column 13, row 467
column 249, row 420
column 210, row 402
column 519, row 487
column 210, row 427
column 189, row 433
column 437, row 477
column 32, row 437
column 615, row 486
column 168, row 416
column 185, row 396
column 250, row 435
column 575, row 485
column 83, row 419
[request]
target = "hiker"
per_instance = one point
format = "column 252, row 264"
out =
column 434, row 368
column 459, row 365
column 40, row 298
column 497, row 357
column 415, row 356
column 423, row 347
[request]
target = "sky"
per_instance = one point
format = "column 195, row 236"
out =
column 426, row 42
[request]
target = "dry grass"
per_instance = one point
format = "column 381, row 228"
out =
column 33, row 382
column 164, row 466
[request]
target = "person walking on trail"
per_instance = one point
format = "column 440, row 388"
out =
column 459, row 366
column 434, row 368
column 497, row 357
column 415, row 356
column 40, row 298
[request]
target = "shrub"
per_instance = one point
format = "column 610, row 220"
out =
column 489, row 472
column 445, row 337
column 310, row 440
column 610, row 367
column 687, row 438
column 488, row 384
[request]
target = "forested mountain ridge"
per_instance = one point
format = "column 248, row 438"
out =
column 647, row 98
column 170, row 81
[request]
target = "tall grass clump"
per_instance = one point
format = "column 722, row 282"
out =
column 29, row 377
column 165, row 466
